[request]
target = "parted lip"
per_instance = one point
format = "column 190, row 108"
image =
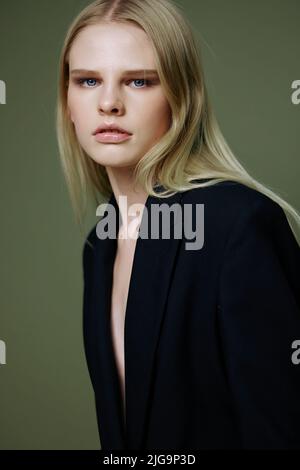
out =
column 110, row 127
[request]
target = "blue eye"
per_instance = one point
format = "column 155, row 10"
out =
column 82, row 81
column 91, row 82
column 140, row 80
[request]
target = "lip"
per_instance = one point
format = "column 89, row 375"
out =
column 111, row 137
column 110, row 127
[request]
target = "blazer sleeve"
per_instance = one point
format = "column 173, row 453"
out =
column 259, row 308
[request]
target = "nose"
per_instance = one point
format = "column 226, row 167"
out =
column 110, row 102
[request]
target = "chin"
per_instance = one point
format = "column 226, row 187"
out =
column 112, row 161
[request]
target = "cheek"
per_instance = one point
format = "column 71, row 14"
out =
column 70, row 111
column 157, row 112
column 70, row 115
column 164, row 111
column 74, row 106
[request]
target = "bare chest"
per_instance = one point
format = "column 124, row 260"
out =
column 120, row 286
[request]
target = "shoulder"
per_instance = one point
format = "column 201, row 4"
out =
column 229, row 196
column 234, row 211
column 230, row 201
column 92, row 240
column 88, row 248
column 91, row 237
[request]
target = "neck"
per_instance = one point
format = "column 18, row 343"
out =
column 122, row 182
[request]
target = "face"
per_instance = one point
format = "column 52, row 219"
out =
column 109, row 94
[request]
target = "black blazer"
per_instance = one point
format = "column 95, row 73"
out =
column 208, row 333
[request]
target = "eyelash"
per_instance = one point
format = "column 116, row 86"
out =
column 80, row 82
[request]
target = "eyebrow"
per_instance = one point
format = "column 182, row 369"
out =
column 126, row 72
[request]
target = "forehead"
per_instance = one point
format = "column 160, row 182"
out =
column 112, row 46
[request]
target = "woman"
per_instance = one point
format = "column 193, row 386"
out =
column 188, row 346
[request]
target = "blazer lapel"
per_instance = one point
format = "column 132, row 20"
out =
column 147, row 295
column 108, row 394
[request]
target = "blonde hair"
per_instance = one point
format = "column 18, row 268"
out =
column 192, row 149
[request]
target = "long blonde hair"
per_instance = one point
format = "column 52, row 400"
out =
column 192, row 149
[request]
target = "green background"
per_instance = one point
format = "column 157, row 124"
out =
column 251, row 57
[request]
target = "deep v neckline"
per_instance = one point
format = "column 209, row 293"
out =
column 118, row 311
column 147, row 295
column 122, row 388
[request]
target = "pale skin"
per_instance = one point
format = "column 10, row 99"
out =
column 109, row 95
